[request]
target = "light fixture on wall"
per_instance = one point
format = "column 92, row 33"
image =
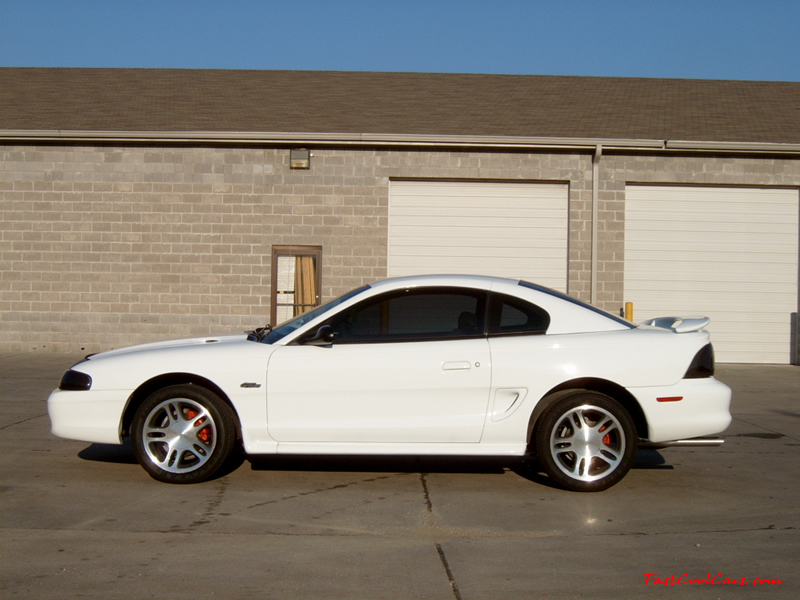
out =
column 299, row 159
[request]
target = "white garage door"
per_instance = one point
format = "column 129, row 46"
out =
column 727, row 253
column 516, row 230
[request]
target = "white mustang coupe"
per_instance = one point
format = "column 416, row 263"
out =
column 433, row 365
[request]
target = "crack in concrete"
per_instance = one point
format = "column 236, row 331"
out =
column 450, row 578
column 431, row 522
column 209, row 513
column 23, row 421
column 425, row 492
column 741, row 420
column 698, row 532
column 323, row 490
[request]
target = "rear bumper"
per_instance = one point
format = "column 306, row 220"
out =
column 692, row 408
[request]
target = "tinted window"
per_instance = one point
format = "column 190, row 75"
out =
column 511, row 315
column 285, row 329
column 546, row 290
column 412, row 315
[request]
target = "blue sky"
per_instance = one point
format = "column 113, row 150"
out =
column 703, row 39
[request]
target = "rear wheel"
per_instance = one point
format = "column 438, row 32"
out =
column 183, row 434
column 586, row 441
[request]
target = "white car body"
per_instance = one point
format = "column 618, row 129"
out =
column 479, row 395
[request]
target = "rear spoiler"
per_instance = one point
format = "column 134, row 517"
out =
column 678, row 324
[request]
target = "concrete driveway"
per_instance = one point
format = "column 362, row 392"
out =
column 84, row 521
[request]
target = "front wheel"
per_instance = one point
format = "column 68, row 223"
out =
column 183, row 434
column 586, row 442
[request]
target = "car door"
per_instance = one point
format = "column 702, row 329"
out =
column 409, row 366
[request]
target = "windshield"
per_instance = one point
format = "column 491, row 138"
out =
column 284, row 329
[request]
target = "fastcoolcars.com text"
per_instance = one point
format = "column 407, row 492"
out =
column 718, row 579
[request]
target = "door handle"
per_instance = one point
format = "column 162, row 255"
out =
column 457, row 365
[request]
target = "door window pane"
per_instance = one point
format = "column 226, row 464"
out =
column 412, row 315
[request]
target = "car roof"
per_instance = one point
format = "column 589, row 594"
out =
column 546, row 297
column 477, row 281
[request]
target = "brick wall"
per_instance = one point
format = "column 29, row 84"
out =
column 106, row 246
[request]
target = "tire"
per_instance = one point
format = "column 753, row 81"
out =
column 586, row 442
column 183, row 434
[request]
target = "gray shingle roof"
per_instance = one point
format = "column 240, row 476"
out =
column 179, row 100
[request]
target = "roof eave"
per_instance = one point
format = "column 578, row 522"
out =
column 389, row 139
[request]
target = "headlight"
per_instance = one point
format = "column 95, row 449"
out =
column 75, row 381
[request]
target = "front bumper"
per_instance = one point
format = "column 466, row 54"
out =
column 89, row 416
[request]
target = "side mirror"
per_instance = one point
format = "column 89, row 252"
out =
column 321, row 337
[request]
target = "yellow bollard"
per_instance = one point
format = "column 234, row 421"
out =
column 629, row 311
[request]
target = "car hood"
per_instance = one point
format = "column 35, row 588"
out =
column 198, row 341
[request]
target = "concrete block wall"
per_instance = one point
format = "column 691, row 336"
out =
column 108, row 246
column 105, row 246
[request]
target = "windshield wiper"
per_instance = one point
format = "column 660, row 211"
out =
column 258, row 334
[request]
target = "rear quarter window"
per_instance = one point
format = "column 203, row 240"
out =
column 509, row 315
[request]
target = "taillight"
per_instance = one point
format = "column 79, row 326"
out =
column 702, row 364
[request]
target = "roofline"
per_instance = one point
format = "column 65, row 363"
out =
column 388, row 139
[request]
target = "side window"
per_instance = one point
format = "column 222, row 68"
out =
column 514, row 316
column 409, row 315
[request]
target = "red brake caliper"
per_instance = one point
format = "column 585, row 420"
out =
column 606, row 437
column 205, row 433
